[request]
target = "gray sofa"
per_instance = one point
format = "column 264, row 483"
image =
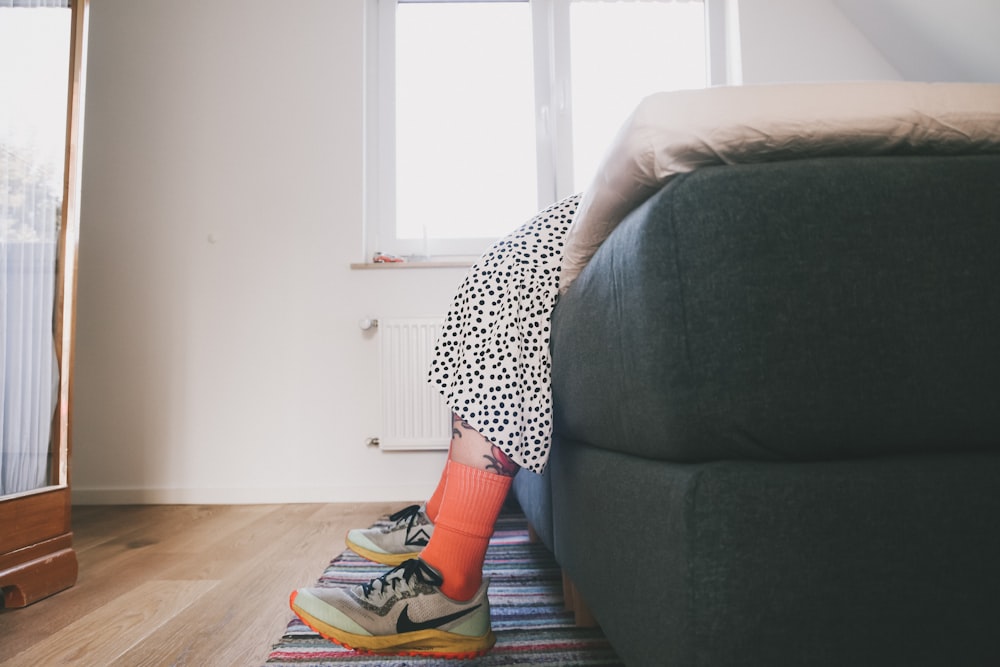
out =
column 777, row 396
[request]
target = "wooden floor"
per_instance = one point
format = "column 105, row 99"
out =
column 180, row 584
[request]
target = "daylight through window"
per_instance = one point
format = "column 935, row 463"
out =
column 482, row 112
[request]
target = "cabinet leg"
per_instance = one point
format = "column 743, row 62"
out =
column 30, row 582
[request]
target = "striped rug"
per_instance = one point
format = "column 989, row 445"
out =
column 528, row 616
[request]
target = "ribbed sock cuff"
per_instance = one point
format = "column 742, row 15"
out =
column 469, row 508
column 433, row 505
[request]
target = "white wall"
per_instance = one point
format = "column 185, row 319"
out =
column 933, row 41
column 231, row 371
column 235, row 371
column 805, row 40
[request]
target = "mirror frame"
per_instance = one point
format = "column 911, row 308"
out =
column 36, row 556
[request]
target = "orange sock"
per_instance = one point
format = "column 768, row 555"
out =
column 434, row 502
column 469, row 507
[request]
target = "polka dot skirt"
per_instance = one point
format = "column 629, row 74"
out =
column 492, row 359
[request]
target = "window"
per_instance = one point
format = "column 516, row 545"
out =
column 481, row 112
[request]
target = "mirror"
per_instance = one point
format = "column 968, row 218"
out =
column 35, row 50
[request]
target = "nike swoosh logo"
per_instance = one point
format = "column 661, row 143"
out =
column 404, row 624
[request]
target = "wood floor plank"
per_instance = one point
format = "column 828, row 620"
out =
column 95, row 525
column 289, row 553
column 145, row 546
column 96, row 586
column 238, row 565
column 100, row 637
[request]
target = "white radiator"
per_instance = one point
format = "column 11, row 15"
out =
column 414, row 414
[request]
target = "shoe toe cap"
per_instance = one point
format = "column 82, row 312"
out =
column 318, row 604
column 357, row 537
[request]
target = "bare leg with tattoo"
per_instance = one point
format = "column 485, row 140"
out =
column 478, row 476
column 469, row 447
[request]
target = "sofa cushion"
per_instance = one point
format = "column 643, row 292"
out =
column 534, row 495
column 750, row 564
column 816, row 309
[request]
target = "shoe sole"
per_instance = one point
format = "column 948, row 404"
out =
column 381, row 558
column 436, row 643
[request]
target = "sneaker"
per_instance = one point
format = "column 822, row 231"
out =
column 409, row 532
column 403, row 612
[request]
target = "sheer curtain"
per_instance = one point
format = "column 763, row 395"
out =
column 34, row 56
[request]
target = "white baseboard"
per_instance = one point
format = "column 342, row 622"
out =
column 251, row 496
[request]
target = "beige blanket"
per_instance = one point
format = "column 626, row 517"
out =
column 677, row 132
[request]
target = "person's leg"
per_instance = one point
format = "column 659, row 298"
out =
column 479, row 476
column 436, row 604
column 412, row 527
column 433, row 503
column 407, row 532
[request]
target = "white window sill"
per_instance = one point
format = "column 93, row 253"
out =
column 424, row 264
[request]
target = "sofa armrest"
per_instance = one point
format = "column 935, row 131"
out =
column 806, row 310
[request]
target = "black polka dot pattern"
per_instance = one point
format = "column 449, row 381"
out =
column 492, row 359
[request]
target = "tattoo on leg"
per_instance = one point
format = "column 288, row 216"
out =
column 500, row 463
column 457, row 421
column 496, row 461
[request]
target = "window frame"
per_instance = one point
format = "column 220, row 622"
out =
column 553, row 115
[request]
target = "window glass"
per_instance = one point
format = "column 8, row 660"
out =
column 465, row 135
column 488, row 110
column 621, row 52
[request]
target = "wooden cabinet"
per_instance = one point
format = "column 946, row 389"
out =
column 36, row 540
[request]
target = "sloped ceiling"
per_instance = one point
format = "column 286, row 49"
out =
column 933, row 40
